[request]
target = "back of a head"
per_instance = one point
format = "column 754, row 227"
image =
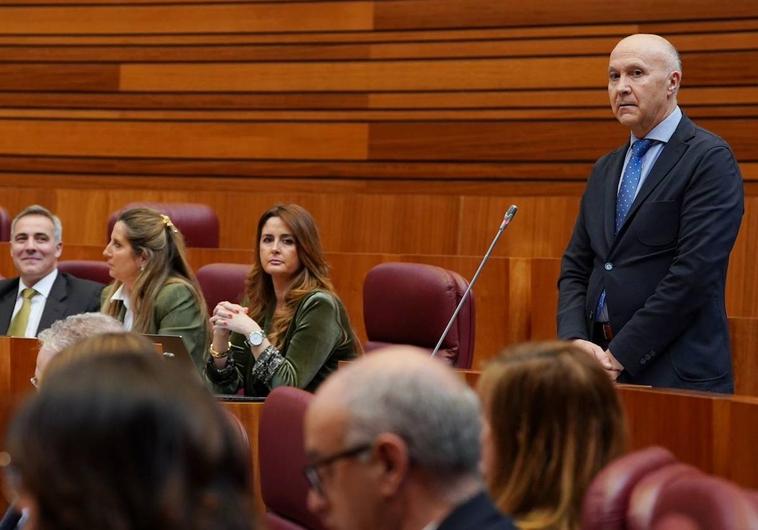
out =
column 128, row 442
column 101, row 344
column 67, row 332
column 403, row 391
column 63, row 333
column 554, row 421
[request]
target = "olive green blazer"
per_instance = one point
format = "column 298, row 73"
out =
column 176, row 312
column 318, row 337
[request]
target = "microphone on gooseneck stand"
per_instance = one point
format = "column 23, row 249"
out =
column 507, row 218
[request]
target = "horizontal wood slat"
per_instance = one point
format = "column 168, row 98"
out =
column 402, row 141
column 403, row 49
column 416, row 14
column 185, row 140
column 189, row 18
column 713, row 99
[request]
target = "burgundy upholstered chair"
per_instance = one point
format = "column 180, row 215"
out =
column 644, row 497
column 411, row 303
column 97, row 271
column 282, row 458
column 5, row 225
column 607, row 499
column 676, row 521
column 713, row 503
column 222, row 281
column 198, row 223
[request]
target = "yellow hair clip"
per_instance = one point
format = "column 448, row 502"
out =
column 167, row 221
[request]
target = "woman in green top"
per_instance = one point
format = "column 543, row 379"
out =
column 155, row 290
column 292, row 329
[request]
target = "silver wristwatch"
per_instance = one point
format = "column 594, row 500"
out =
column 255, row 338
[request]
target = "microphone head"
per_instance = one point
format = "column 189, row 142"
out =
column 509, row 213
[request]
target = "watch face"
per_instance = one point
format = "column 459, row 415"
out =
column 255, row 338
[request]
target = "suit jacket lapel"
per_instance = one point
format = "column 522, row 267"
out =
column 7, row 303
column 55, row 306
column 611, row 190
column 671, row 154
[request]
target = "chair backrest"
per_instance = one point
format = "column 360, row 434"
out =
column 644, row 497
column 222, row 281
column 97, row 271
column 676, row 521
column 282, row 459
column 198, row 223
column 411, row 303
column 5, row 225
column 606, row 501
column 714, row 503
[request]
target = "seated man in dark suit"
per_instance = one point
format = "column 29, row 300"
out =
column 40, row 295
column 393, row 441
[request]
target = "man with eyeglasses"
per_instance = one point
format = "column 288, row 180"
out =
column 393, row 443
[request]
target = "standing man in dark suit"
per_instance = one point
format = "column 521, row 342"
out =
column 40, row 295
column 394, row 443
column 642, row 280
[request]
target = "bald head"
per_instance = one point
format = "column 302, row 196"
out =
column 655, row 46
column 644, row 73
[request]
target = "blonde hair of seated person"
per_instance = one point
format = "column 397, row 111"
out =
column 553, row 420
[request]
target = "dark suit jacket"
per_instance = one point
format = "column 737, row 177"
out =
column 665, row 271
column 478, row 513
column 69, row 296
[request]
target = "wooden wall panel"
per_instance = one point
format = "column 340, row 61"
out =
column 541, row 228
column 742, row 289
column 522, row 140
column 714, row 433
column 68, row 77
column 185, row 140
column 208, row 18
column 249, row 415
column 736, row 428
column 744, row 335
column 575, row 72
column 413, row 14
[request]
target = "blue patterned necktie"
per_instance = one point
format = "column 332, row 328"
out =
column 630, row 180
column 627, row 191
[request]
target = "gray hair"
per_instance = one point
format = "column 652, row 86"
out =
column 36, row 209
column 72, row 329
column 439, row 421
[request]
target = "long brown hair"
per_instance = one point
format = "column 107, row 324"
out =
column 153, row 236
column 555, row 420
column 313, row 274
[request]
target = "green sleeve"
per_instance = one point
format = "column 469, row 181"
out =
column 177, row 313
column 317, row 332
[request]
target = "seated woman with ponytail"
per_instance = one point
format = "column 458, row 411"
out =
column 292, row 329
column 155, row 291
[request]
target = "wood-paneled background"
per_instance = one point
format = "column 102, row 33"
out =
column 405, row 126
